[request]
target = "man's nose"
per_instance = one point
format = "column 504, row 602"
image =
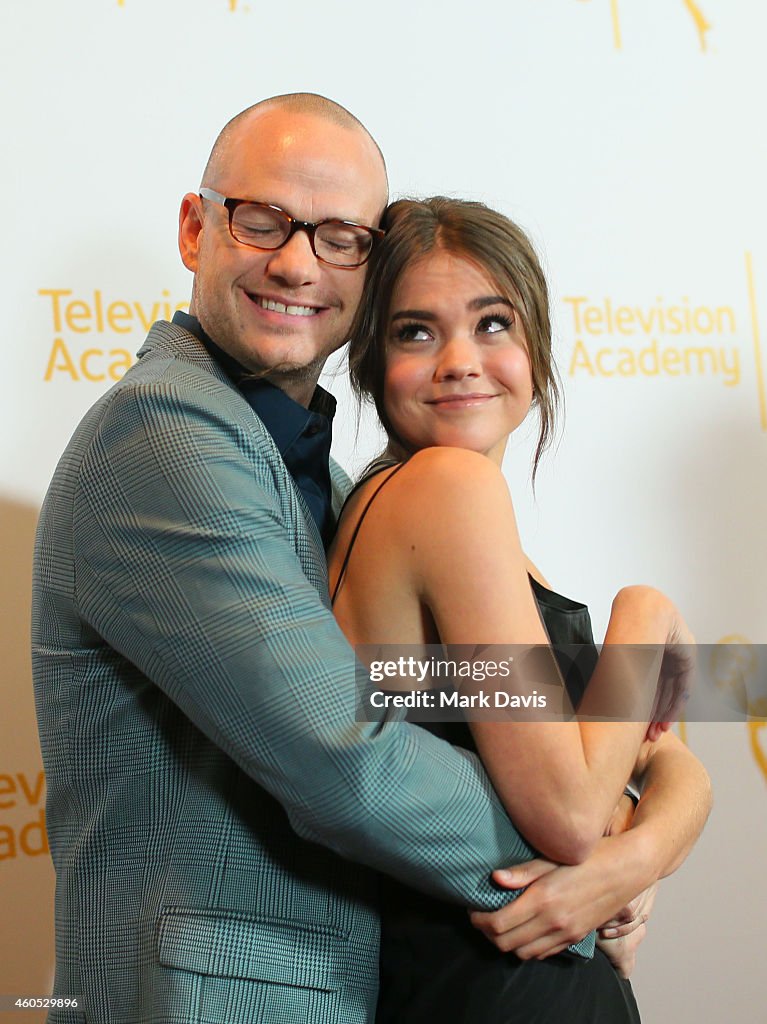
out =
column 459, row 358
column 294, row 263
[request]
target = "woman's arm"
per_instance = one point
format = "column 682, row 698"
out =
column 559, row 781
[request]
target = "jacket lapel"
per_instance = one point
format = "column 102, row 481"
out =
column 171, row 340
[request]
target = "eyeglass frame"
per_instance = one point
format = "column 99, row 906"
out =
column 230, row 205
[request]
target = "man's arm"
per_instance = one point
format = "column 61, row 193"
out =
column 188, row 568
column 563, row 903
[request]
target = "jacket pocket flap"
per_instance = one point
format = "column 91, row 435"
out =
column 232, row 945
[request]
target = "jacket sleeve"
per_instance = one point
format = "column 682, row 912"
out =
column 187, row 567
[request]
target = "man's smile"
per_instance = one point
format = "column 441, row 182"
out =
column 276, row 306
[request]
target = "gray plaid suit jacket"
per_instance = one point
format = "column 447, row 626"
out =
column 214, row 809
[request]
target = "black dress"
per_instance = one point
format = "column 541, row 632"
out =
column 436, row 967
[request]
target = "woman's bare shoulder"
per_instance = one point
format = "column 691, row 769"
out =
column 444, row 496
column 439, row 496
column 435, row 472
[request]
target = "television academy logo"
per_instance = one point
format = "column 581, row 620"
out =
column 700, row 23
column 679, row 337
column 234, row 6
column 735, row 665
column 95, row 334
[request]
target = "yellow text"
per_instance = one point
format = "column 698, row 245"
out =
column 83, row 316
column 94, row 364
column 655, row 360
column 29, row 838
column 605, row 317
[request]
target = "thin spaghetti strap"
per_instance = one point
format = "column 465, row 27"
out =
column 347, row 556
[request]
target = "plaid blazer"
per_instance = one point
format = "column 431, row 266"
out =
column 214, row 809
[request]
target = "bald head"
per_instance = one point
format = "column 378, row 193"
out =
column 281, row 311
column 308, row 104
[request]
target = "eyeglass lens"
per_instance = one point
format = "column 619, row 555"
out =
column 334, row 242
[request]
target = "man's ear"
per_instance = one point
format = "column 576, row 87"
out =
column 189, row 228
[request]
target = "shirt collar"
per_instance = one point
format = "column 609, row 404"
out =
column 302, row 436
column 285, row 419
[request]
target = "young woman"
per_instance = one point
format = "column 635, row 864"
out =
column 453, row 345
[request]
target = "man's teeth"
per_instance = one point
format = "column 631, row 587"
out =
column 279, row 307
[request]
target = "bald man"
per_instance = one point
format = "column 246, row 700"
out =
column 214, row 808
column 195, row 694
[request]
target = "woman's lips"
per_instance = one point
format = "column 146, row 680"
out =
column 463, row 399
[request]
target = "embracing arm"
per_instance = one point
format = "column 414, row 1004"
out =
column 675, row 803
column 676, row 810
column 558, row 780
column 563, row 903
column 187, row 567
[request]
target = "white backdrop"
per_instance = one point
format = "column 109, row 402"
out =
column 624, row 136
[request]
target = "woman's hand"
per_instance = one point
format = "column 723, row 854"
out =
column 648, row 608
column 620, row 938
column 622, row 817
column 676, row 676
column 561, row 904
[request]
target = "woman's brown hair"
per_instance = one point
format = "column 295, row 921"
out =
column 473, row 231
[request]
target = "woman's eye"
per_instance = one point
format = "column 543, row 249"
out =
column 413, row 332
column 496, row 322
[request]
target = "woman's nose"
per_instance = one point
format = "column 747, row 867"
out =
column 458, row 359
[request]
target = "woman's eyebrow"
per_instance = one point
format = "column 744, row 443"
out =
column 490, row 300
column 414, row 314
column 474, row 304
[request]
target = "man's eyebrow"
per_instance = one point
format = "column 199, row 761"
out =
column 474, row 304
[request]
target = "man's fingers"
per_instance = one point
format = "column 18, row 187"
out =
column 541, row 949
column 502, row 940
column 522, row 875
column 509, row 928
column 525, row 943
column 539, row 933
column 500, row 924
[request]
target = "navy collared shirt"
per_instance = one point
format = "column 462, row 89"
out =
column 302, row 435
